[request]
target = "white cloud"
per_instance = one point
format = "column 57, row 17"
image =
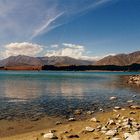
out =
column 67, row 49
column 110, row 54
column 24, row 48
column 54, row 46
column 73, row 46
column 74, row 51
column 71, row 50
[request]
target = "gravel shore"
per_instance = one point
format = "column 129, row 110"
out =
column 118, row 124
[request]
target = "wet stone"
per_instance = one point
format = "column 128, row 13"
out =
column 113, row 98
column 130, row 101
column 78, row 112
column 90, row 112
column 117, row 107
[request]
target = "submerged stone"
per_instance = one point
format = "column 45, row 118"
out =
column 113, row 98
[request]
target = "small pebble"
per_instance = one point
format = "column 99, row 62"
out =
column 89, row 129
column 117, row 107
column 71, row 119
column 50, row 136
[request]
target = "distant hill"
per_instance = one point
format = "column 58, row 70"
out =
column 22, row 60
column 64, row 61
column 120, row 59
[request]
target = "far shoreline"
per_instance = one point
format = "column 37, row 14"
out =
column 112, row 68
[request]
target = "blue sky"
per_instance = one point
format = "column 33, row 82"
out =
column 86, row 29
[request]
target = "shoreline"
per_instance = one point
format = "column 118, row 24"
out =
column 138, row 71
column 73, row 127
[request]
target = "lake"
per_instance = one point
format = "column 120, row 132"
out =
column 26, row 93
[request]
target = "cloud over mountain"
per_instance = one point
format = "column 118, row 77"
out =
column 71, row 50
column 24, row 48
column 59, row 50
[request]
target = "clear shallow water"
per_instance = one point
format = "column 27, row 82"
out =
column 28, row 94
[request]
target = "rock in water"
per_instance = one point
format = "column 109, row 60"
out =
column 90, row 112
column 101, row 110
column 50, row 136
column 77, row 112
column 130, row 101
column 113, row 98
column 117, row 107
column 134, row 96
column 135, row 136
column 134, row 80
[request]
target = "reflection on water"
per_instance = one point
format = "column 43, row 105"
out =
column 61, row 92
column 28, row 89
column 21, row 89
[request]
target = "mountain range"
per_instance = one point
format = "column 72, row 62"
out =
column 121, row 59
column 22, row 60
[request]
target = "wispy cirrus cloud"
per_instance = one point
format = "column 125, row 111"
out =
column 22, row 20
column 46, row 25
column 68, row 13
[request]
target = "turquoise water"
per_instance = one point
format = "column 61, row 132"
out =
column 26, row 93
